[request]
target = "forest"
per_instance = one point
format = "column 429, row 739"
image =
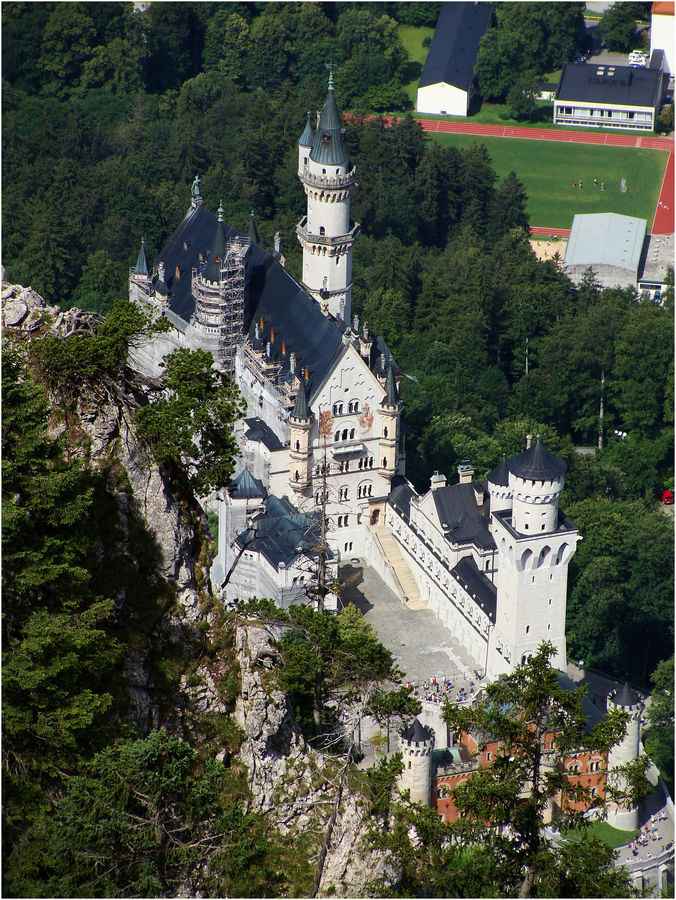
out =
column 110, row 110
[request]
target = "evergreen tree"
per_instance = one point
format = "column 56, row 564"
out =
column 503, row 806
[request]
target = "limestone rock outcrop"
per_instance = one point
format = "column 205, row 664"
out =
column 294, row 784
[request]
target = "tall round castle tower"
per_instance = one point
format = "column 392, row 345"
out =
column 326, row 233
column 627, row 750
column 416, row 744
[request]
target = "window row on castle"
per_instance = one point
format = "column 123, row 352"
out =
column 364, row 462
column 352, row 407
column 363, row 490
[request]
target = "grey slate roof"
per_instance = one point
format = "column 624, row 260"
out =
column 500, row 474
column 329, row 147
column 626, row 696
column 307, row 137
column 480, row 588
column 300, row 407
column 417, row 733
column 538, row 464
column 621, row 85
column 461, row 519
column 274, row 296
column 246, row 487
column 217, row 250
column 391, row 393
column 257, row 430
column 400, row 495
column 455, row 45
column 141, row 267
column 282, row 532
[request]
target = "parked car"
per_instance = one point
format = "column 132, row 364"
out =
column 668, row 497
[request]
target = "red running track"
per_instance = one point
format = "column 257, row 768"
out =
column 663, row 223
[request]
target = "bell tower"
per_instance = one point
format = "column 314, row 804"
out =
column 326, row 233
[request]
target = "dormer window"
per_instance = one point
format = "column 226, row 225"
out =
column 326, row 138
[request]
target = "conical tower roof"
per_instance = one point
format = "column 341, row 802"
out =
column 625, row 696
column 417, row 733
column 217, row 251
column 300, row 407
column 391, row 392
column 329, row 147
column 307, row 137
column 537, row 464
column 500, row 474
column 141, row 267
column 253, row 231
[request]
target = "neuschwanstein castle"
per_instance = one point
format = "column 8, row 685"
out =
column 324, row 425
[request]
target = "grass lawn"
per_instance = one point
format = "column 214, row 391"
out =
column 547, row 170
column 604, row 832
column 412, row 37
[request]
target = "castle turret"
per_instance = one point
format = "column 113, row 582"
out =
column 301, row 421
column 390, row 414
column 326, row 233
column 535, row 545
column 498, row 487
column 535, row 482
column 305, row 145
column 416, row 744
column 625, row 752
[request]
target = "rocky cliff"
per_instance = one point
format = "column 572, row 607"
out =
column 292, row 784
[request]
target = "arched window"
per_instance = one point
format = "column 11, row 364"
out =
column 371, row 463
column 351, row 434
column 322, row 230
column 525, row 559
column 385, row 431
column 345, row 521
column 297, row 445
column 344, row 434
column 296, row 476
column 384, row 462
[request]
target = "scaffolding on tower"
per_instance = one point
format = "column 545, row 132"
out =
column 233, row 277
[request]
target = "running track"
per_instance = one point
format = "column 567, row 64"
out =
column 663, row 222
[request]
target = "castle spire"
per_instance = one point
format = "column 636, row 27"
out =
column 307, row 137
column 391, row 392
column 141, row 267
column 253, row 231
column 329, row 147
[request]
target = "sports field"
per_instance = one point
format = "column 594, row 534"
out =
column 548, row 169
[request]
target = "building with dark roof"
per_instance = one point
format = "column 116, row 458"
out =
column 608, row 96
column 274, row 547
column 448, row 83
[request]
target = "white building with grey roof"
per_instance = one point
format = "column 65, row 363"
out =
column 447, row 83
column 609, row 244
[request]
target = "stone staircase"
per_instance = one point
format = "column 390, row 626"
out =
column 395, row 556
